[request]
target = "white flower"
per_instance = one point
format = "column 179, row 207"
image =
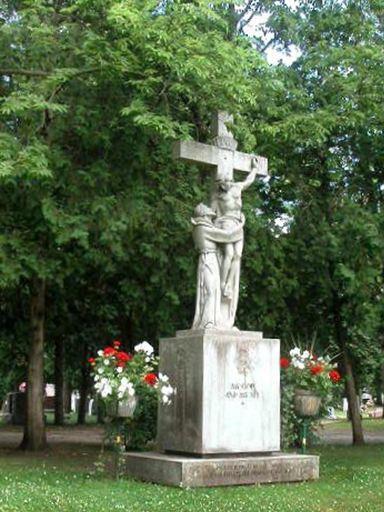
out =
column 106, row 362
column 144, row 347
column 163, row 377
column 100, row 353
column 131, row 389
column 165, row 399
column 106, row 390
column 96, row 378
column 100, row 370
column 167, row 390
column 295, row 352
column 298, row 364
column 125, row 388
column 119, row 369
column 305, row 354
column 104, row 387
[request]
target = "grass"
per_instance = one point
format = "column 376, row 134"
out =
column 369, row 425
column 65, row 480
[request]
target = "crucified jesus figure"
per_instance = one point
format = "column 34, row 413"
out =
column 227, row 204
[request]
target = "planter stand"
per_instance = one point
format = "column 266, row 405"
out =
column 307, row 405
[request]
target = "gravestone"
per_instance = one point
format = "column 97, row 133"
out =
column 18, row 405
column 5, row 410
column 223, row 425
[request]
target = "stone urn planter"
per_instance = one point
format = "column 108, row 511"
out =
column 307, row 403
column 122, row 409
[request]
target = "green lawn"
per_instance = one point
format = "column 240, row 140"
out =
column 352, row 479
column 369, row 425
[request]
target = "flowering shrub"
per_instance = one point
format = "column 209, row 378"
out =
column 307, row 371
column 304, row 370
column 119, row 375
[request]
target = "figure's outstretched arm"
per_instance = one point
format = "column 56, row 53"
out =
column 251, row 176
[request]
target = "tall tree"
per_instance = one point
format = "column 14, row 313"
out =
column 325, row 111
column 91, row 95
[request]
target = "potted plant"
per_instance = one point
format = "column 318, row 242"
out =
column 120, row 378
column 312, row 376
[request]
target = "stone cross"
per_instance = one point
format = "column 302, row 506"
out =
column 222, row 154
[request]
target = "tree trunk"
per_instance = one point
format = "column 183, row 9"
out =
column 83, row 390
column 34, row 430
column 379, row 384
column 67, row 398
column 380, row 400
column 59, row 381
column 382, row 383
column 350, row 384
column 100, row 411
column 353, row 401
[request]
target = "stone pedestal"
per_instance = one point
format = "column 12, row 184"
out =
column 182, row 471
column 228, row 393
column 223, row 426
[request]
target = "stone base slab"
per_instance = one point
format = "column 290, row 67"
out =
column 182, row 471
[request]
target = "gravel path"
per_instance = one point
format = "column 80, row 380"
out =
column 333, row 435
column 92, row 436
column 10, row 437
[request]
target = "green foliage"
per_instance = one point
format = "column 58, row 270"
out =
column 140, row 433
column 93, row 92
column 137, row 432
column 91, row 96
column 321, row 126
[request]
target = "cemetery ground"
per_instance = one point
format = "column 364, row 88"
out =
column 70, row 477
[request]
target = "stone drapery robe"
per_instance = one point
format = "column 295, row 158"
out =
column 208, row 296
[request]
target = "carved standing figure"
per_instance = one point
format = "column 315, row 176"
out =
column 207, row 237
column 227, row 204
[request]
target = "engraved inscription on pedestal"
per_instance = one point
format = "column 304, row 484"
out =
column 242, row 391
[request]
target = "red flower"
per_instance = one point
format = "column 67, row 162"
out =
column 116, row 344
column 284, row 362
column 150, row 379
column 109, row 351
column 121, row 364
column 316, row 369
column 334, row 375
column 91, row 360
column 123, row 357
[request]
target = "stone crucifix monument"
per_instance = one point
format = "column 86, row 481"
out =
column 223, row 426
column 218, row 232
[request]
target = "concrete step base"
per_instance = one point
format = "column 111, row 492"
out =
column 189, row 471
